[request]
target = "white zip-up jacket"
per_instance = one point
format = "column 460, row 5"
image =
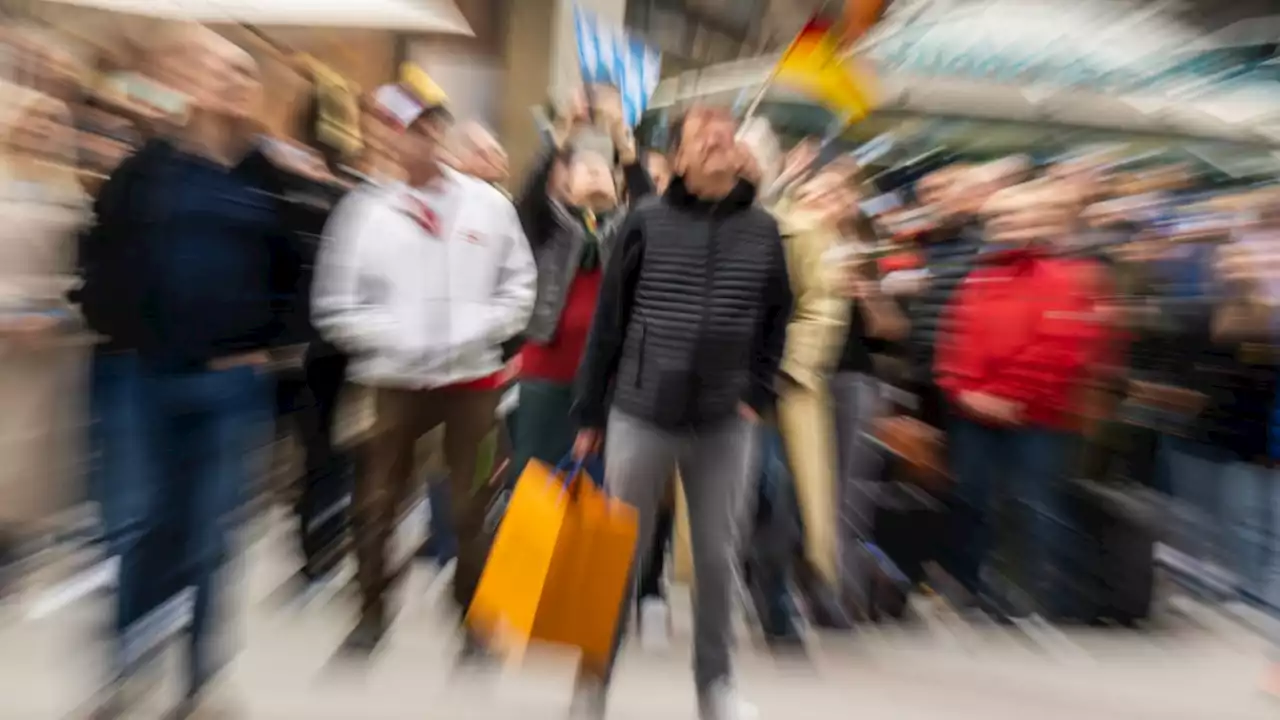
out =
column 420, row 310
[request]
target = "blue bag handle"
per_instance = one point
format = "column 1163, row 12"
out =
column 574, row 466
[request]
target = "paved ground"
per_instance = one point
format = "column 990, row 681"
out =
column 1202, row 670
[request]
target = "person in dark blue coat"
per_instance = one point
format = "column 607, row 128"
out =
column 188, row 271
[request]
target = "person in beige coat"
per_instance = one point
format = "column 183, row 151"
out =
column 805, row 414
column 40, row 362
column 828, row 395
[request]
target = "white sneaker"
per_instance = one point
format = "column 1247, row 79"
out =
column 655, row 624
column 722, row 702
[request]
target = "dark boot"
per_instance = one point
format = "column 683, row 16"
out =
column 365, row 638
column 824, row 603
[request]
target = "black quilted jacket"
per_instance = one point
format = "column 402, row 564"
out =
column 692, row 314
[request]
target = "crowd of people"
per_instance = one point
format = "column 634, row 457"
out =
column 823, row 377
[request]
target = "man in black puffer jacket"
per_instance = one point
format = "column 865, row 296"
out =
column 687, row 338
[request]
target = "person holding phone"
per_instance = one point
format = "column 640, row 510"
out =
column 572, row 235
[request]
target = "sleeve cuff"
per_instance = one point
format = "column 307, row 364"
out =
column 761, row 398
column 589, row 415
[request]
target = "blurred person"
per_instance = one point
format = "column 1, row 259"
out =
column 481, row 155
column 309, row 376
column 1170, row 385
column 45, row 64
column 378, row 161
column 572, row 237
column 787, row 483
column 659, row 169
column 1250, row 315
column 190, row 305
column 474, row 151
column 690, row 373
column 1014, row 347
column 572, row 232
column 39, row 376
column 796, row 166
column 421, row 283
column 875, row 321
column 1096, row 400
column 953, row 197
column 765, row 150
column 810, row 222
column 1238, row 373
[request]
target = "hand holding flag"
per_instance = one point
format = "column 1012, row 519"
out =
column 609, row 56
column 858, row 17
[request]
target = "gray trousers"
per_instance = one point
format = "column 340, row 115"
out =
column 858, row 403
column 715, row 465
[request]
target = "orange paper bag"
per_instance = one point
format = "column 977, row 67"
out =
column 558, row 568
column 587, row 587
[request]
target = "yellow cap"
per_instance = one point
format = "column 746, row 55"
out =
column 417, row 81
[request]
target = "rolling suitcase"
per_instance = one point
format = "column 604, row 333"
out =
column 1110, row 575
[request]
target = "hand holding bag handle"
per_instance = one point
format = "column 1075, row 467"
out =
column 574, row 466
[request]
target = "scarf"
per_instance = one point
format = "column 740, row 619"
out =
column 590, row 258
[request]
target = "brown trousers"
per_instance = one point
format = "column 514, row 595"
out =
column 402, row 417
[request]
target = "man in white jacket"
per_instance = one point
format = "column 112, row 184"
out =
column 421, row 283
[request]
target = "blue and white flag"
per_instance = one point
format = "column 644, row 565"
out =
column 609, row 56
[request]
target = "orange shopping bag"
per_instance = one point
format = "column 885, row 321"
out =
column 558, row 568
column 588, row 583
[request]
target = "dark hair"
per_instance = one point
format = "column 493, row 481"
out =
column 435, row 114
column 675, row 132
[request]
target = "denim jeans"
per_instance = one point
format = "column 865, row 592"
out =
column 115, row 443
column 1031, row 462
column 1268, row 495
column 442, row 540
column 777, row 533
column 199, row 432
column 1196, row 474
column 1250, row 491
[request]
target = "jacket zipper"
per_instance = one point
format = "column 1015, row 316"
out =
column 705, row 320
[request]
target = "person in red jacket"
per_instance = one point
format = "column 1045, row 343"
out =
column 1017, row 344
